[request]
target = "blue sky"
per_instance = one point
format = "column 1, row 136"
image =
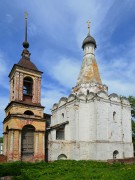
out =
column 56, row 30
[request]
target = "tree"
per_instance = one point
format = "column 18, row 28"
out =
column 132, row 102
column 1, row 139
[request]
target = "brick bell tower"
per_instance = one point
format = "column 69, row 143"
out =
column 24, row 125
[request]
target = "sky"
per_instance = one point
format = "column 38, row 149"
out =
column 56, row 30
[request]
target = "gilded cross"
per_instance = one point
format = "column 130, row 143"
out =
column 88, row 22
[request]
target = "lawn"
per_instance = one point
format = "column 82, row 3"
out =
column 68, row 170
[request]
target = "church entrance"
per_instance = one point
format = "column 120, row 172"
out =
column 27, row 143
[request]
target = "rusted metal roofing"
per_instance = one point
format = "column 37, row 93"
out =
column 26, row 63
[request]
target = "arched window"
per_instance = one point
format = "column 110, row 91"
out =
column 62, row 156
column 115, row 153
column 62, row 116
column 28, row 112
column 27, row 142
column 27, row 86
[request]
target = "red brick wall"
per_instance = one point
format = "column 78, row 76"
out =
column 3, row 158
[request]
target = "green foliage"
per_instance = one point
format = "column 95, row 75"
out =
column 67, row 170
column 132, row 102
column 1, row 139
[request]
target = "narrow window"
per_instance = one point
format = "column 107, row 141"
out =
column 62, row 116
column 60, row 135
column 114, row 115
column 13, row 85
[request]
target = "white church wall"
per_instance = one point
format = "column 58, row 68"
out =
column 99, row 135
column 126, row 122
column 102, row 108
column 128, row 150
column 83, row 123
column 115, row 117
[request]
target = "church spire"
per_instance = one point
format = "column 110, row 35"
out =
column 89, row 77
column 25, row 52
column 25, row 43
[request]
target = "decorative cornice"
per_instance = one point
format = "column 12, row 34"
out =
column 24, row 103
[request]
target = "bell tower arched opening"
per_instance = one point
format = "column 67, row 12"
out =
column 28, row 113
column 27, row 88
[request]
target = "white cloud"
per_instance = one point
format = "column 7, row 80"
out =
column 32, row 29
column 3, row 103
column 61, row 24
column 95, row 11
column 3, row 71
column 9, row 18
column 118, row 71
column 121, row 88
column 66, row 72
column 49, row 97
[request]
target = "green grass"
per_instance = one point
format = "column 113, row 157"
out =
column 68, row 170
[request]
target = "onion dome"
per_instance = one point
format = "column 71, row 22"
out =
column 89, row 40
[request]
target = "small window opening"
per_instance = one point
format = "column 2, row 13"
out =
column 60, row 135
column 27, row 86
column 62, row 116
column 13, row 82
column 114, row 115
column 28, row 112
column 13, row 85
column 115, row 153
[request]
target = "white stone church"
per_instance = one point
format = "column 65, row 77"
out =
column 90, row 124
